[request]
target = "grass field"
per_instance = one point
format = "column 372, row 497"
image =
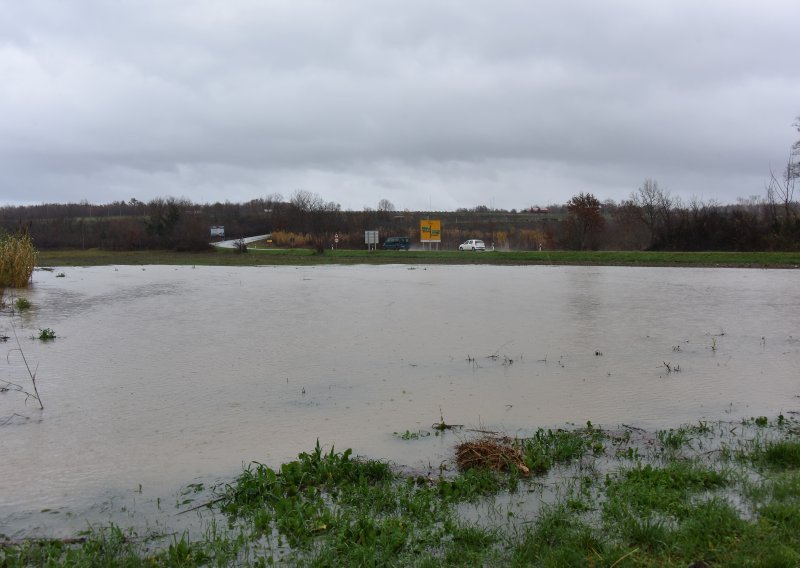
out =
column 258, row 257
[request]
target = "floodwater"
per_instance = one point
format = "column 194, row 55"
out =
column 164, row 376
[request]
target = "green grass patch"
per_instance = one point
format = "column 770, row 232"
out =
column 548, row 448
column 645, row 490
column 711, row 531
column 558, row 538
column 674, row 439
column 778, row 454
column 301, row 257
column 329, row 508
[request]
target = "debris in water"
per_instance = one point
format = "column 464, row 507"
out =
column 490, row 453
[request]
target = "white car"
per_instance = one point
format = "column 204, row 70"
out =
column 472, row 244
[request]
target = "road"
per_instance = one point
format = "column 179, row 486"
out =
column 247, row 240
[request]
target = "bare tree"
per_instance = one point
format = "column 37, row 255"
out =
column 780, row 187
column 628, row 229
column 655, row 206
column 794, row 161
column 780, row 191
column 306, row 201
column 274, row 197
column 384, row 205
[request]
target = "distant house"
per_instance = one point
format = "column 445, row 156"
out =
column 218, row 231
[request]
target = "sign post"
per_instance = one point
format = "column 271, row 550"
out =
column 430, row 231
column 371, row 239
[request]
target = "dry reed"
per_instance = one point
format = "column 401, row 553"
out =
column 489, row 453
column 17, row 260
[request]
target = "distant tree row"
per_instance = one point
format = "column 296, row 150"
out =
column 651, row 218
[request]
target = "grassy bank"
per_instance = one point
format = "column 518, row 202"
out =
column 704, row 494
column 257, row 257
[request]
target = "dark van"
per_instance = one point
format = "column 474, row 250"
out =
column 397, row 243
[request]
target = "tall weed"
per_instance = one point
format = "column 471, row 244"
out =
column 17, row 259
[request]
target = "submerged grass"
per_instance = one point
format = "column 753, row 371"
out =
column 781, row 454
column 548, row 448
column 610, row 507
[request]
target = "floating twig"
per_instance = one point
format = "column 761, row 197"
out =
column 206, row 504
column 441, row 425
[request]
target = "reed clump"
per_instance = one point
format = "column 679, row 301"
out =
column 17, row 260
column 497, row 455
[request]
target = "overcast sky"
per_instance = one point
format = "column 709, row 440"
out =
column 429, row 104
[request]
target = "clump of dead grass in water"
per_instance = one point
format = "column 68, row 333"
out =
column 17, row 260
column 490, row 453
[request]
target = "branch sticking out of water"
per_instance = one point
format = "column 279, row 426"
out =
column 441, row 425
column 31, row 373
column 10, row 418
column 671, row 368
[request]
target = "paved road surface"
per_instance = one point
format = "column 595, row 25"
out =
column 247, row 240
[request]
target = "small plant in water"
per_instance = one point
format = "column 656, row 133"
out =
column 22, row 304
column 47, row 334
column 409, row 435
column 673, row 439
column 702, row 428
column 60, row 275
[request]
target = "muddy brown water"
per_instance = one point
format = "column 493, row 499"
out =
column 164, row 376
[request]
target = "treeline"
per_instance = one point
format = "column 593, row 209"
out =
column 651, row 219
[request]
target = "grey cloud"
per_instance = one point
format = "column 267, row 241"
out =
column 518, row 101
